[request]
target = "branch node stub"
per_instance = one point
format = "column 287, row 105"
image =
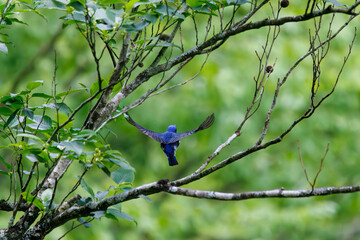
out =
column 163, row 184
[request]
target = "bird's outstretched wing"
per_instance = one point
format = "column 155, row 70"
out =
column 154, row 135
column 206, row 124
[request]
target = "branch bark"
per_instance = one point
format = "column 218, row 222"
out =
column 276, row 193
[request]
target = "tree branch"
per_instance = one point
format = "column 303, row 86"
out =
column 148, row 189
column 276, row 193
column 7, row 206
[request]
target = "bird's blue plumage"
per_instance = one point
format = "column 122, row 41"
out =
column 170, row 140
column 169, row 150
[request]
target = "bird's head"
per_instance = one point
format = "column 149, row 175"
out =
column 171, row 128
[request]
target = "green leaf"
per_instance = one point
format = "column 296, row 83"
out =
column 84, row 86
column 86, row 187
column 123, row 175
column 87, row 165
column 24, row 92
column 4, row 173
column 3, row 48
column 106, row 2
column 73, row 145
column 47, row 195
column 5, row 110
column 85, row 223
column 120, row 163
column 104, row 27
column 98, row 214
column 105, row 169
column 12, row 20
column 13, row 101
column 336, row 3
column 152, row 18
column 77, row 17
column 10, row 118
column 114, row 157
column 26, row 3
column 125, row 216
column 147, row 2
column 59, row 106
column 29, row 113
column 19, row 144
column 84, row 134
column 119, row 214
column 35, row 84
column 113, row 211
column 145, row 197
column 77, row 5
column 51, row 4
column 7, row 165
column 49, row 207
column 41, row 122
column 194, row 3
column 35, row 158
column 100, row 14
column 54, row 152
column 84, row 201
column 42, row 95
column 31, row 150
column 60, row 95
column 115, row 16
column 31, row 9
column 236, row 2
column 165, row 10
column 135, row 27
column 101, row 194
column 129, row 5
column 30, row 198
column 207, row 9
column 27, row 135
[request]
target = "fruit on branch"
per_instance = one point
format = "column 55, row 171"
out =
column 284, row 3
column 269, row 69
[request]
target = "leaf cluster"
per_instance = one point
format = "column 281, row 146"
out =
column 30, row 128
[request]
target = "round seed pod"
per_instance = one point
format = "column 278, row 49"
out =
column 284, row 3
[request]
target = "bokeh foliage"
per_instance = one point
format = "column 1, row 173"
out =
column 224, row 86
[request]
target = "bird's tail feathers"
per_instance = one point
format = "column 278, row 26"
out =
column 172, row 160
column 207, row 123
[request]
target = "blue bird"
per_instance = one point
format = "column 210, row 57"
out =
column 170, row 140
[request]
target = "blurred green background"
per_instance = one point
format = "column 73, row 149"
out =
column 224, row 86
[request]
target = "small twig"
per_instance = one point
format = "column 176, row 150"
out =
column 76, row 185
column 303, row 167
column 74, row 227
column 6, row 6
column 312, row 184
column 321, row 164
column 217, row 151
column 54, row 89
column 184, row 82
